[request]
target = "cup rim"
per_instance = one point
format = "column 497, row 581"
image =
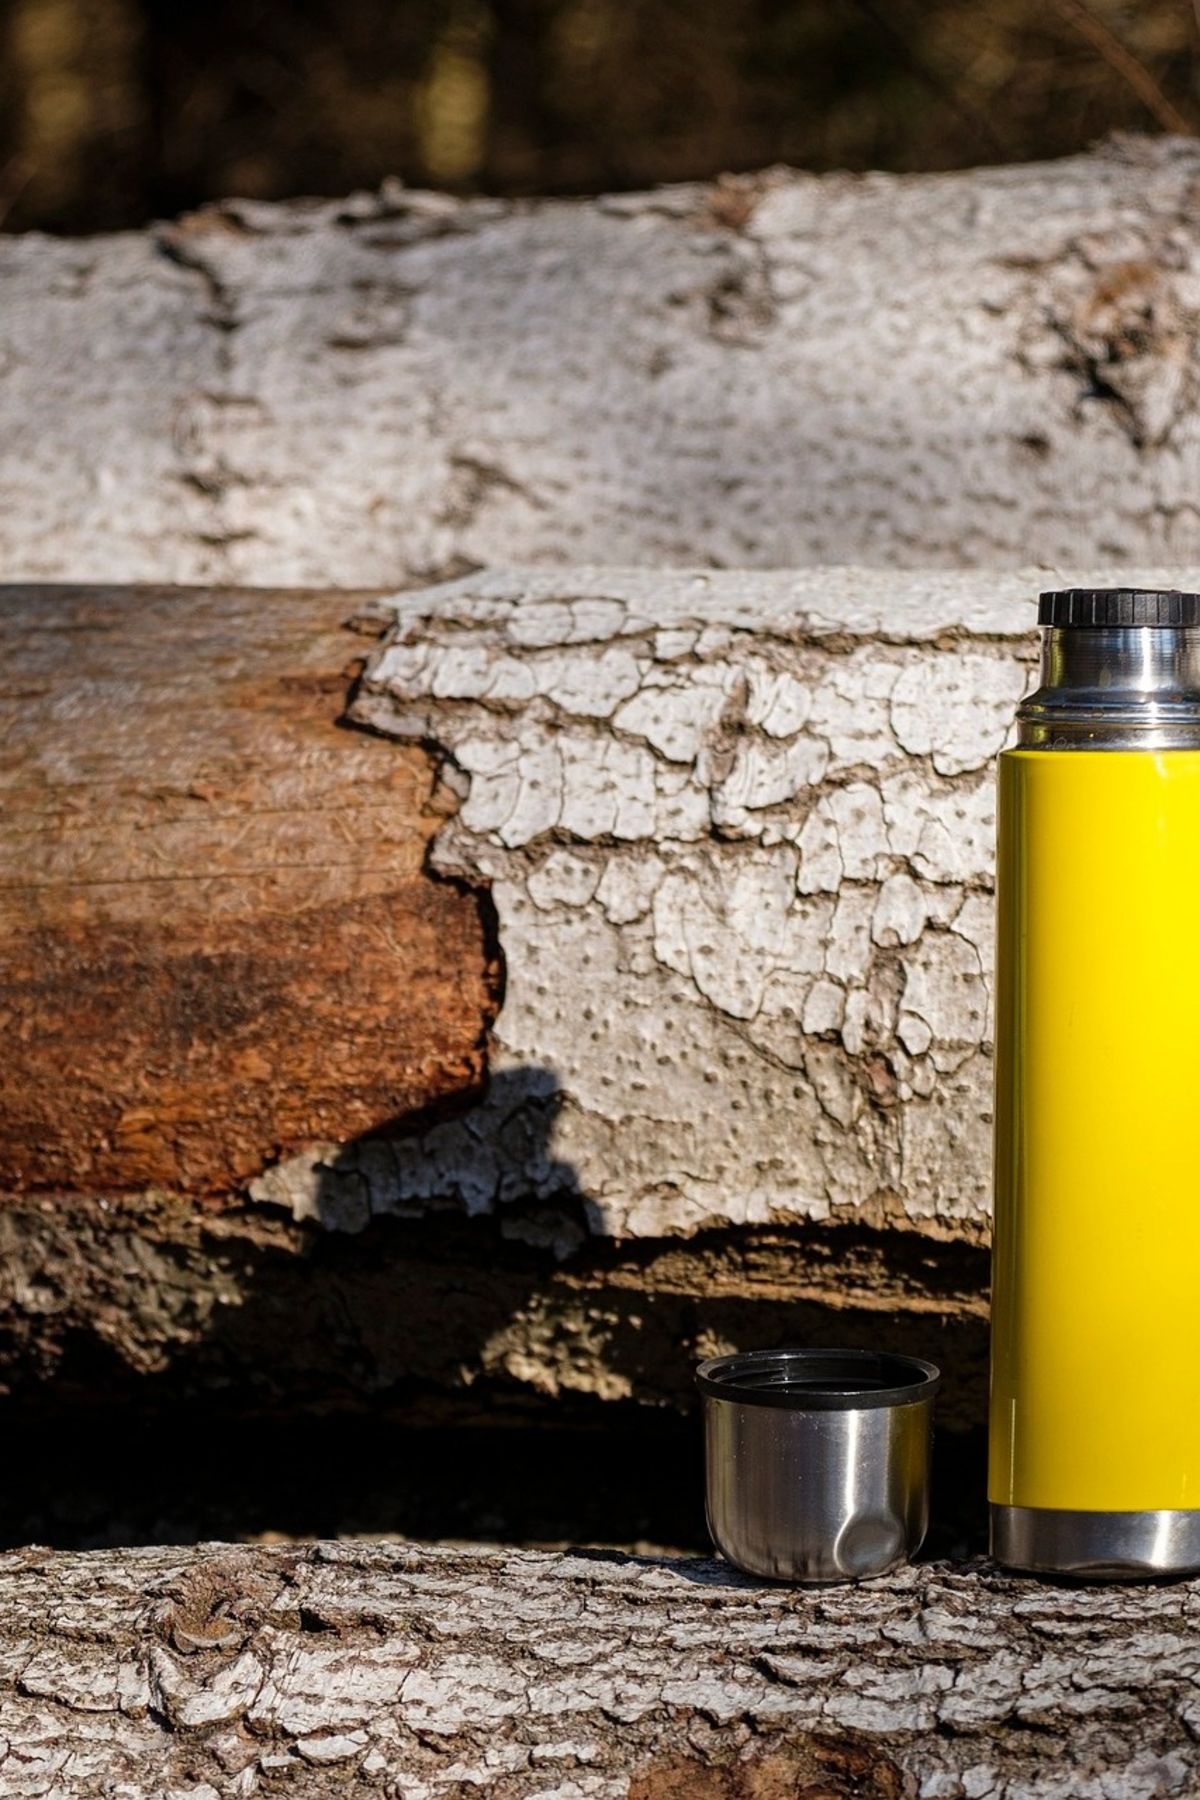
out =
column 818, row 1380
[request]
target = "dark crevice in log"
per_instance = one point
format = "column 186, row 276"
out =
column 95, row 1475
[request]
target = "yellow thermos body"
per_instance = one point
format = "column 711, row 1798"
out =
column 1094, row 1459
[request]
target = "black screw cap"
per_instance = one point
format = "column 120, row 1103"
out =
column 1118, row 606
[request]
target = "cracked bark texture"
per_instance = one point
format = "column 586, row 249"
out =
column 738, row 834
column 389, row 1670
column 982, row 368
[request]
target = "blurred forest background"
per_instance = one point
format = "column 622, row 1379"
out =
column 114, row 112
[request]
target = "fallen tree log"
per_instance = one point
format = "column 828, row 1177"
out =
column 618, row 995
column 361, row 1670
column 982, row 368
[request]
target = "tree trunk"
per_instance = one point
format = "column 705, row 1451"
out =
column 362, row 1670
column 987, row 368
column 722, row 861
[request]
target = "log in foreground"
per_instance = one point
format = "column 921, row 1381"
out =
column 986, row 367
column 361, row 1670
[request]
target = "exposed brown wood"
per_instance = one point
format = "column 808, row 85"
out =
column 217, row 938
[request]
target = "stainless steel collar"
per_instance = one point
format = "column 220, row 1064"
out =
column 1120, row 687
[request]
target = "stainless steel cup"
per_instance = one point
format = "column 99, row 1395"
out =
column 817, row 1461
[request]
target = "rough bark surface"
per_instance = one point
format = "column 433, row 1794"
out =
column 356, row 1670
column 445, row 1319
column 981, row 368
column 739, row 837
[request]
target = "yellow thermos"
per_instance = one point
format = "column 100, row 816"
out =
column 1094, row 1460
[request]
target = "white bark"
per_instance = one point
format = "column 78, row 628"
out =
column 739, row 836
column 982, row 368
column 183, row 1675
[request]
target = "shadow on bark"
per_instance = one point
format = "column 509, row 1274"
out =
column 486, row 1369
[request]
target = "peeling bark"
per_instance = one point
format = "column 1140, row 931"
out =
column 738, row 834
column 390, row 1670
column 986, row 368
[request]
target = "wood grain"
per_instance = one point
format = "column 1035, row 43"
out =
column 217, row 937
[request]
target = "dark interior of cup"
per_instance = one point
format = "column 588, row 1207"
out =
column 818, row 1379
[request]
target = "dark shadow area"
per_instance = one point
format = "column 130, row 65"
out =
column 83, row 1478
column 114, row 112
column 87, row 1478
column 507, row 1377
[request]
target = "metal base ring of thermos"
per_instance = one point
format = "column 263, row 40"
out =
column 1096, row 1546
